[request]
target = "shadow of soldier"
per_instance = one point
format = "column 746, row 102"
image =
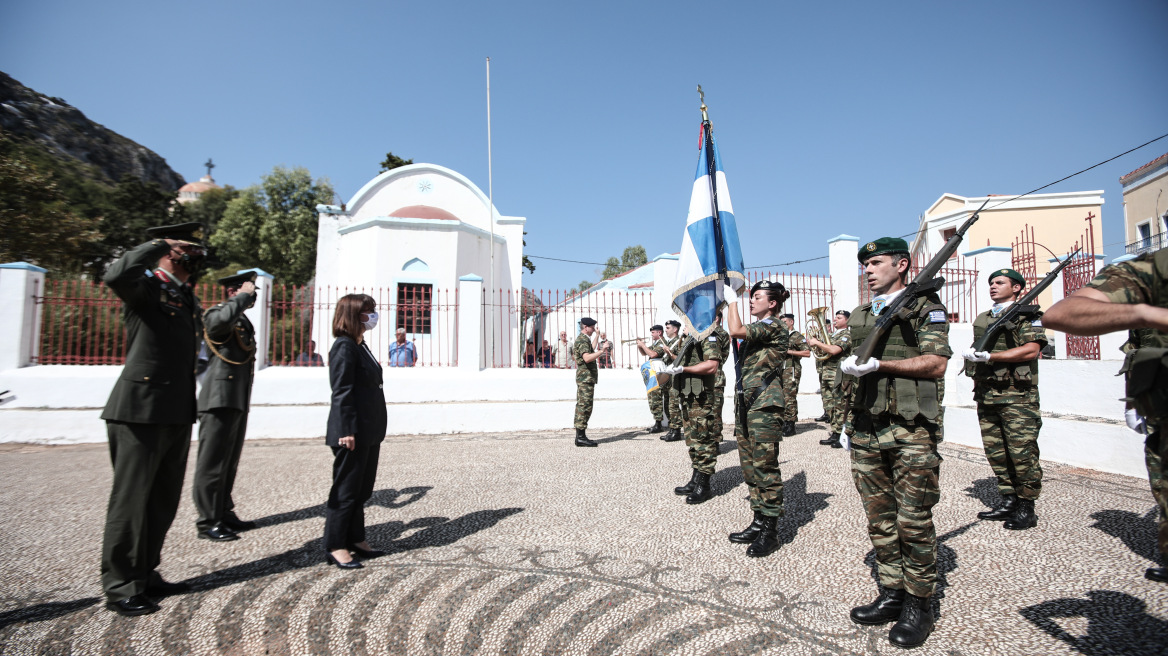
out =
column 618, row 438
column 388, row 498
column 946, row 563
column 986, row 491
column 1138, row 533
column 46, row 611
column 1116, row 624
column 799, row 507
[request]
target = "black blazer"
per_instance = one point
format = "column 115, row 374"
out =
column 358, row 405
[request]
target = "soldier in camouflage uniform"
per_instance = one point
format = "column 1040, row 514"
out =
column 585, row 355
column 797, row 349
column 1133, row 295
column 758, row 412
column 1005, row 386
column 667, row 353
column 895, row 463
column 720, row 380
column 838, row 347
column 694, row 376
column 656, row 404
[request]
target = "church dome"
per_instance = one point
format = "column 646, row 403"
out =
column 423, row 212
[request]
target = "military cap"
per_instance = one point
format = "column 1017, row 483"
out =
column 882, row 246
column 656, row 327
column 673, row 322
column 588, row 321
column 767, row 284
column 847, row 315
column 787, row 316
column 1009, row 273
column 238, row 279
column 189, row 233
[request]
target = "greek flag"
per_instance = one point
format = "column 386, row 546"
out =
column 710, row 253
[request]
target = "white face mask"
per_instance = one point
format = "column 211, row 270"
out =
column 371, row 322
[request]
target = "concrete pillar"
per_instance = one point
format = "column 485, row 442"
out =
column 260, row 315
column 984, row 260
column 844, row 270
column 20, row 322
column 469, row 347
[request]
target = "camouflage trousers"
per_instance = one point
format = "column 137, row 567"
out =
column 673, row 407
column 719, row 403
column 584, row 393
column 697, row 412
column 1009, row 433
column 827, row 390
column 791, row 376
column 656, row 405
column 839, row 404
column 1155, row 453
column 899, row 487
column 758, row 454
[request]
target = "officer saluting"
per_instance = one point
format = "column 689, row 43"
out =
column 150, row 412
column 223, row 408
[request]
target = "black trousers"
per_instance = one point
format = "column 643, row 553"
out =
column 149, row 462
column 354, row 473
column 221, row 432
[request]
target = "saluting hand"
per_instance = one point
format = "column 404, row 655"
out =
column 247, row 288
column 349, row 442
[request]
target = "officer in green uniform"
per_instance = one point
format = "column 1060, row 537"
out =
column 585, row 354
column 667, row 352
column 1133, row 296
column 758, row 411
column 838, row 347
column 797, row 349
column 150, row 412
column 1005, row 386
column 895, row 464
column 656, row 404
column 694, row 376
column 720, row 380
column 223, row 408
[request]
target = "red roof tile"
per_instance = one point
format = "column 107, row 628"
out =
column 1150, row 165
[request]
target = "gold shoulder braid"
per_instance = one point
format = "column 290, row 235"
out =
column 211, row 345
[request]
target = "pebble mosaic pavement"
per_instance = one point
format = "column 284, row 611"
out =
column 523, row 544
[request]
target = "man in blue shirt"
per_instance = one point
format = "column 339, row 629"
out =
column 401, row 352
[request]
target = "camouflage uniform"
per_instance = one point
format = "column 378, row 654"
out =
column 792, row 372
column 656, row 402
column 763, row 352
column 673, row 401
column 1008, row 408
column 832, row 378
column 697, row 403
column 895, row 464
column 1145, row 280
column 585, row 380
column 720, row 380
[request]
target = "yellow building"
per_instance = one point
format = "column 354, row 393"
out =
column 1145, row 206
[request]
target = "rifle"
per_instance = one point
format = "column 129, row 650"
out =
column 1023, row 307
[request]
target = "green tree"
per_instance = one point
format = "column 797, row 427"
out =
column 633, row 257
column 210, row 206
column 527, row 264
column 273, row 225
column 133, row 207
column 393, row 161
column 582, row 287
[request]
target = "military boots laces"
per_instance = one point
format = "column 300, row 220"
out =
column 1023, row 517
column 915, row 623
column 1002, row 512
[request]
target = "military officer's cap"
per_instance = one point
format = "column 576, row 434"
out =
column 846, row 314
column 656, row 327
column 766, row 284
column 1009, row 273
column 238, row 279
column 588, row 321
column 188, row 233
column 673, row 322
column 882, row 246
column 787, row 316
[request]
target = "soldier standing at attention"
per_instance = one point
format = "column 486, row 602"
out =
column 792, row 371
column 694, row 376
column 1133, row 295
column 895, row 464
column 223, row 409
column 837, row 347
column 150, row 412
column 1005, row 386
column 656, row 405
column 585, row 355
column 672, row 397
column 720, row 380
column 758, row 414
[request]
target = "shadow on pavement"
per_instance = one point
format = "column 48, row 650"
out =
column 946, row 562
column 985, row 490
column 618, row 438
column 1116, row 624
column 725, row 480
column 1138, row 533
column 46, row 611
column 799, row 507
column 388, row 498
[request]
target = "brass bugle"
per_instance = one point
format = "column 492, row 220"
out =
column 630, row 341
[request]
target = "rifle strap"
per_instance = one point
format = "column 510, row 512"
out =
column 770, row 377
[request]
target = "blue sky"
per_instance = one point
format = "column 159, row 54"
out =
column 831, row 117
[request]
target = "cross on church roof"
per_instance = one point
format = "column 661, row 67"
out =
column 210, row 165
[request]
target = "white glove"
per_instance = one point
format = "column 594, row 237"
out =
column 728, row 294
column 975, row 356
column 851, row 366
column 672, row 369
column 1134, row 420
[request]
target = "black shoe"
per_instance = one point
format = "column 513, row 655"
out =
column 915, row 623
column 236, row 524
column 835, row 444
column 161, row 588
column 1158, row 574
column 767, row 541
column 1004, row 511
column 883, row 610
column 674, row 435
column 1023, row 517
column 218, row 533
column 582, row 439
column 656, row 427
column 366, row 553
column 701, row 489
column 788, row 429
column 352, row 564
column 748, row 534
column 823, row 417
column 831, row 437
column 688, row 487
column 133, row 606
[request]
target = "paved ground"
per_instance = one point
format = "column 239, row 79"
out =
column 523, row 544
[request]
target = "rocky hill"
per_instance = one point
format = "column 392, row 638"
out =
column 62, row 131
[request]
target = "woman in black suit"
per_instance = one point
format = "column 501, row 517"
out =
column 356, row 428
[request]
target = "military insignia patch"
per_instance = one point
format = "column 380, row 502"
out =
column 871, row 246
column 768, row 321
column 712, row 339
column 878, row 306
column 937, row 316
column 1004, row 271
column 1037, row 323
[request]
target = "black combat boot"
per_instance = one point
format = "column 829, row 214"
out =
column 883, row 610
column 788, row 429
column 831, row 437
column 835, row 444
column 748, row 534
column 1004, row 511
column 683, row 490
column 915, row 623
column 823, row 417
column 767, row 541
column 701, row 489
column 582, row 439
column 656, row 427
column 1024, row 516
column 674, row 435
column 1157, row 574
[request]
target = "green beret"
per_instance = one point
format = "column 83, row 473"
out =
column 1009, row 273
column 882, row 246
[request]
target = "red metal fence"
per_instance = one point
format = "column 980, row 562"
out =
column 959, row 293
column 1076, row 275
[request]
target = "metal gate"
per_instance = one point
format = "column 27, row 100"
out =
column 1076, row 275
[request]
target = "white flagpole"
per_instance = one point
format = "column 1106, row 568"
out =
column 491, row 218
